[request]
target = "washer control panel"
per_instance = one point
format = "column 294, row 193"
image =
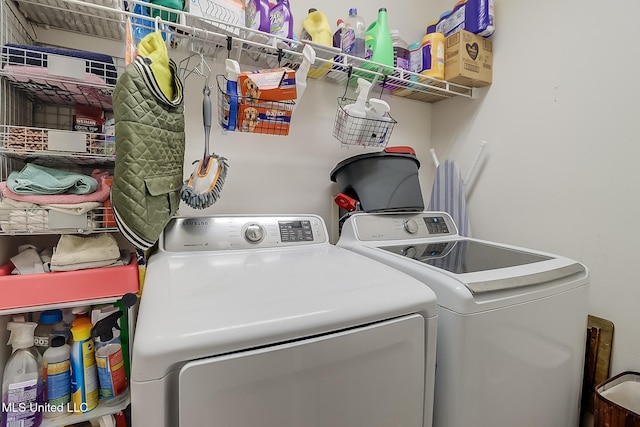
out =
column 400, row 226
column 242, row 232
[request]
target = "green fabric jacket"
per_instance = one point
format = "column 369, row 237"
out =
column 149, row 133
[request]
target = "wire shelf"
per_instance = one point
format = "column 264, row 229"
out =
column 59, row 79
column 216, row 34
column 366, row 132
column 253, row 115
column 27, row 143
column 43, row 220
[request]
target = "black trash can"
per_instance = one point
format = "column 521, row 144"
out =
column 385, row 181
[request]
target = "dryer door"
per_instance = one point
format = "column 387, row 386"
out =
column 364, row 377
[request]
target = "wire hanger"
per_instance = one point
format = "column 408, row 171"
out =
column 194, row 64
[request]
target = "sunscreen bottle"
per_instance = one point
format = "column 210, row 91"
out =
column 56, row 369
column 84, row 375
column 109, row 360
column 22, row 384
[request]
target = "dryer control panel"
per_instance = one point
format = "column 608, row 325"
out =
column 211, row 233
column 400, row 226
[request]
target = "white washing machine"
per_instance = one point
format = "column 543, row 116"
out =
column 511, row 321
column 259, row 321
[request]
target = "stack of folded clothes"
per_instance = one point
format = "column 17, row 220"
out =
column 27, row 197
column 70, row 254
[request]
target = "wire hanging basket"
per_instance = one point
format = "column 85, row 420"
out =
column 367, row 132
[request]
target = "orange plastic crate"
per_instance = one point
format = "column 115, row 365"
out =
column 31, row 290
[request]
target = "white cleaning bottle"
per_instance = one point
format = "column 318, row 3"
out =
column 308, row 58
column 355, row 126
column 22, row 385
column 230, row 118
column 378, row 113
column 56, row 368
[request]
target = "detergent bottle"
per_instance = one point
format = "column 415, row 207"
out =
column 56, row 368
column 317, row 26
column 84, row 375
column 378, row 40
column 22, row 382
column 257, row 15
column 281, row 20
column 353, row 36
column 109, row 359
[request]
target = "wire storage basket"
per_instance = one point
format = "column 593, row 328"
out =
column 247, row 114
column 367, row 132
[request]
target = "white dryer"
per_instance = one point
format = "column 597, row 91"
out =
column 511, row 321
column 259, row 321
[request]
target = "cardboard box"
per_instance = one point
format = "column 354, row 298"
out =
column 262, row 118
column 273, row 84
column 468, row 59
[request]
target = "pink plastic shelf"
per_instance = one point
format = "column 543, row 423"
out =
column 61, row 287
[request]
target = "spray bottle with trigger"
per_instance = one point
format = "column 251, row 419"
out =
column 355, row 124
column 109, row 359
column 378, row 111
column 308, row 58
column 22, row 382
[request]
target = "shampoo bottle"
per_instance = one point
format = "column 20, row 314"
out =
column 281, row 20
column 56, row 369
column 22, row 382
column 109, row 360
column 84, row 375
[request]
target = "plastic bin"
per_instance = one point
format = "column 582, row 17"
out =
column 385, row 181
column 617, row 401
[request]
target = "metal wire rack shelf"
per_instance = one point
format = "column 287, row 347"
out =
column 246, row 46
column 28, row 143
column 44, row 220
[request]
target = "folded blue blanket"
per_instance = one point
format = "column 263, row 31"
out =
column 96, row 63
column 35, row 179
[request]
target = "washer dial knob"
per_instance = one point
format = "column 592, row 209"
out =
column 410, row 226
column 254, row 233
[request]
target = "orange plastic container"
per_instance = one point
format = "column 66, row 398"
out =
column 31, row 290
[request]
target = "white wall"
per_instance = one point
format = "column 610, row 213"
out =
column 562, row 120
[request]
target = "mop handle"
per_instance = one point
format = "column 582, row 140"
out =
column 206, row 119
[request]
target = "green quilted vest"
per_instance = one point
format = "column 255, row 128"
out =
column 149, row 133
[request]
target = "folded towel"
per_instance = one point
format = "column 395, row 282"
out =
column 123, row 260
column 100, row 195
column 84, row 249
column 9, row 205
column 74, row 208
column 28, row 261
column 36, row 179
column 20, row 220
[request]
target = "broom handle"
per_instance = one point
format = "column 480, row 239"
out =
column 206, row 120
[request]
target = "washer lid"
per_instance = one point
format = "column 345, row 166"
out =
column 200, row 304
